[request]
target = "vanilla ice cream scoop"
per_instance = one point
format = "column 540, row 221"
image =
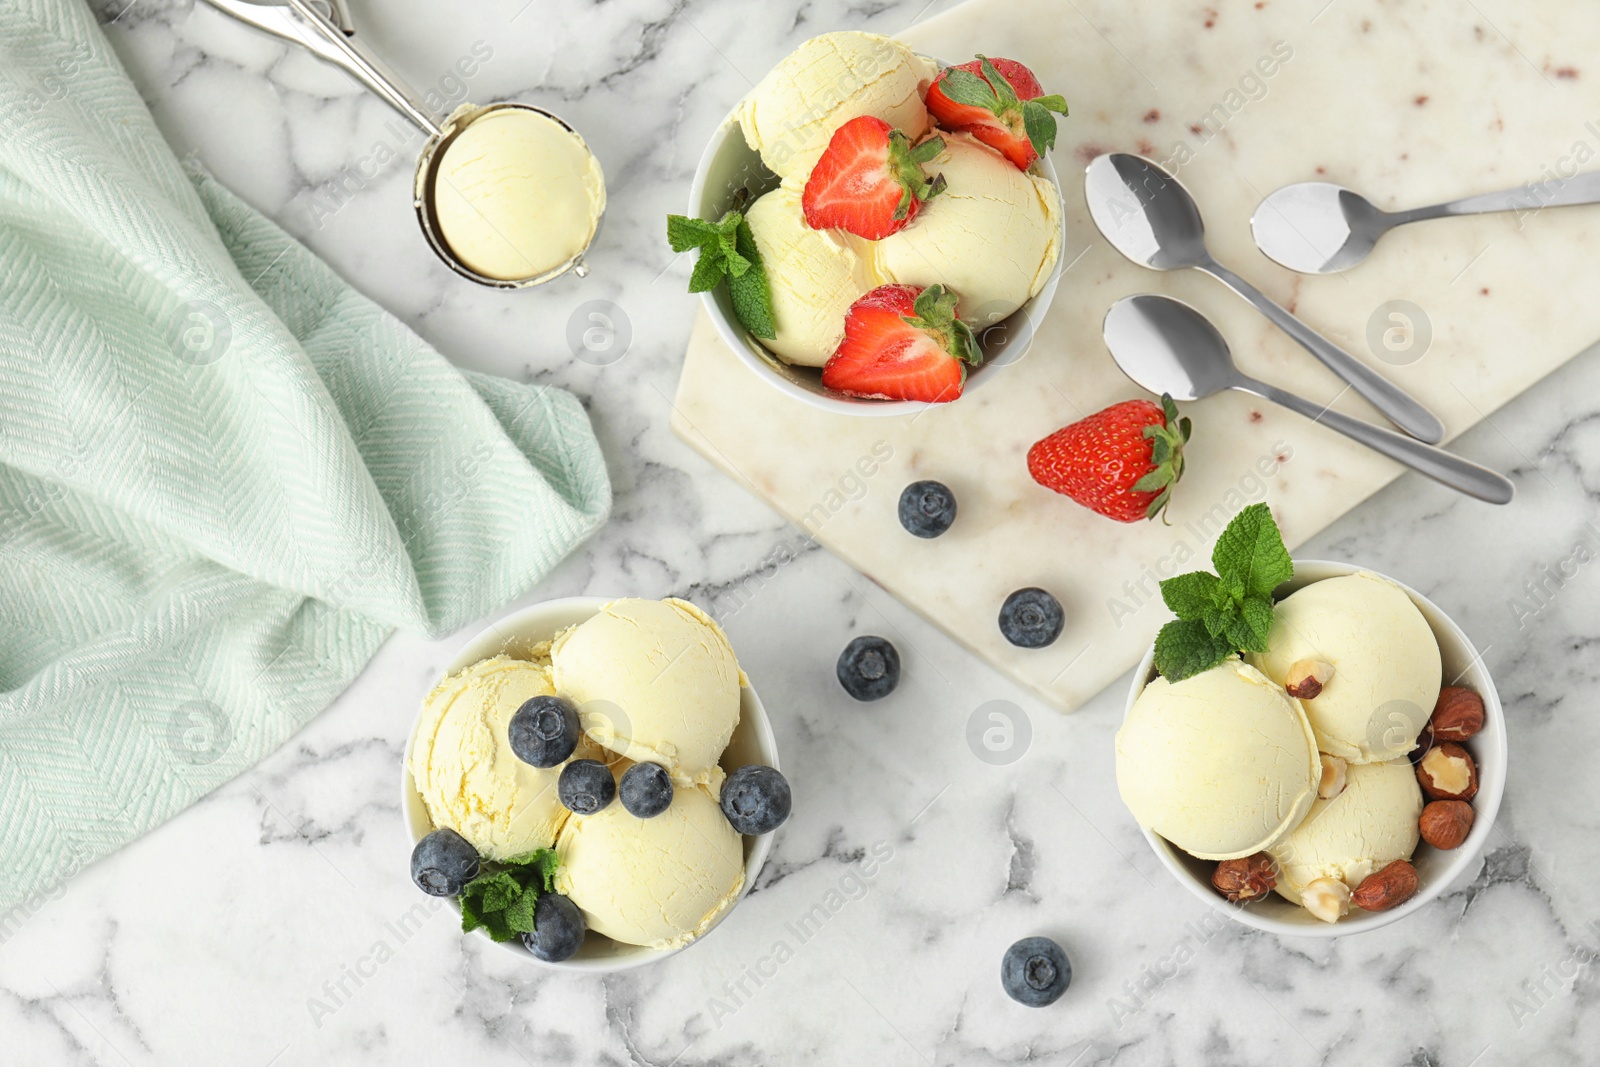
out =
column 1368, row 826
column 993, row 235
column 464, row 769
column 1384, row 660
column 659, row 882
column 653, row 680
column 792, row 114
column 814, row 276
column 1221, row 764
column 517, row 194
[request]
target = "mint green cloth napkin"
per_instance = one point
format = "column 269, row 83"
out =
column 225, row 476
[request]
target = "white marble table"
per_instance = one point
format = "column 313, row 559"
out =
column 273, row 923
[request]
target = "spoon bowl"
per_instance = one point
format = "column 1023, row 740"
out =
column 1166, row 346
column 1145, row 213
column 1318, row 227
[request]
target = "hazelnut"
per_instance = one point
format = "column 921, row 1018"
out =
column 1388, row 888
column 1448, row 773
column 1458, row 714
column 1334, row 770
column 1306, row 678
column 1445, row 823
column 1424, row 744
column 1326, row 898
column 1245, row 879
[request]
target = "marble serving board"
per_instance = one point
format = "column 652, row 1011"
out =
column 1410, row 102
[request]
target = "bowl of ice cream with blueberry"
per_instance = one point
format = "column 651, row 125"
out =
column 593, row 783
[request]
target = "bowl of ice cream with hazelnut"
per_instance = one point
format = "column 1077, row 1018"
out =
column 1335, row 771
column 593, row 784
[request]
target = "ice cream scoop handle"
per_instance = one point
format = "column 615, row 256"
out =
column 1398, row 406
column 1447, row 468
column 343, row 50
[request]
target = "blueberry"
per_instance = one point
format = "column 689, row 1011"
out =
column 927, row 508
column 756, row 799
column 585, row 786
column 1031, row 618
column 544, row 731
column 869, row 668
column 558, row 928
column 1035, row 972
column 646, row 790
column 443, row 863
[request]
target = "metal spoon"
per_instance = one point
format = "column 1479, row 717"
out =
column 1166, row 346
column 324, row 27
column 1320, row 228
column 1148, row 216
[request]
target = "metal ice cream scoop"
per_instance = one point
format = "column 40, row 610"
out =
column 324, row 27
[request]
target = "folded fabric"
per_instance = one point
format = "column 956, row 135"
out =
column 225, row 476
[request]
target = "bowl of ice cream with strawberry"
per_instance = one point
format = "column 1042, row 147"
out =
column 875, row 233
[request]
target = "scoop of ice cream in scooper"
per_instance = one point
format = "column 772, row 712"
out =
column 508, row 195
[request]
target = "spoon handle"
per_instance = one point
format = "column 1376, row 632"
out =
column 1395, row 403
column 1447, row 468
column 1557, row 192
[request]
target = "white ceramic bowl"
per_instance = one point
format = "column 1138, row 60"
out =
column 514, row 635
column 728, row 165
column 1436, row 870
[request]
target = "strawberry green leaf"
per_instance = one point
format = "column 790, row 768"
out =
column 1184, row 649
column 965, row 87
column 1250, row 554
column 1054, row 102
column 1166, row 458
column 1188, row 595
column 928, row 150
column 1040, row 126
column 997, row 81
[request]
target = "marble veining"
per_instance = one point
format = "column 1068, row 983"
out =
column 273, row 924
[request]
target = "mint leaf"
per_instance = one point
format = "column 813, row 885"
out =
column 1251, row 553
column 519, row 916
column 503, row 902
column 684, row 233
column 1256, row 616
column 1184, row 649
column 1189, row 594
column 708, row 270
column 752, row 299
column 1229, row 611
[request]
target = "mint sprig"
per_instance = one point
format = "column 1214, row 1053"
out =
column 728, row 251
column 503, row 901
column 1221, row 614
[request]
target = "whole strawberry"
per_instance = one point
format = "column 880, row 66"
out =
column 999, row 102
column 1121, row 462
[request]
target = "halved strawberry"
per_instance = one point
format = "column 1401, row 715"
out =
column 869, row 180
column 999, row 102
column 903, row 342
